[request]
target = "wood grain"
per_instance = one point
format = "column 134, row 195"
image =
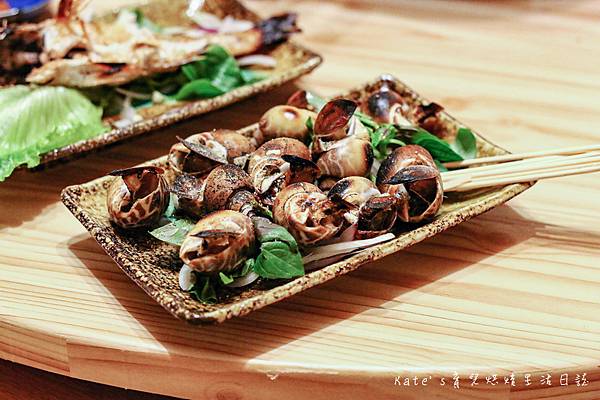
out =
column 515, row 290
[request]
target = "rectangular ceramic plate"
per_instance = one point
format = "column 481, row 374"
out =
column 292, row 61
column 154, row 265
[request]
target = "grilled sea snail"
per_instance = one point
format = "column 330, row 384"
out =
column 219, row 242
column 224, row 186
column 278, row 163
column 410, row 174
column 342, row 145
column 371, row 212
column 306, row 212
column 201, row 152
column 300, row 99
column 137, row 196
column 385, row 106
column 286, row 121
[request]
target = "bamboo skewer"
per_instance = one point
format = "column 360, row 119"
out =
column 522, row 156
column 521, row 171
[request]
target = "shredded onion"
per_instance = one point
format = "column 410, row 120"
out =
column 244, row 280
column 330, row 250
column 232, row 25
column 261, row 60
column 128, row 114
column 133, row 95
column 187, row 279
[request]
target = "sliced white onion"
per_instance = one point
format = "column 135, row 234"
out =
column 257, row 59
column 187, row 278
column 133, row 95
column 232, row 25
column 330, row 250
column 323, row 262
column 206, row 20
column 244, row 280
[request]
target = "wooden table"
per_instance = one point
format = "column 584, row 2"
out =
column 515, row 290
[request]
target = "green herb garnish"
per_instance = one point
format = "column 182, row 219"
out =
column 204, row 290
column 215, row 74
column 174, row 232
column 279, row 256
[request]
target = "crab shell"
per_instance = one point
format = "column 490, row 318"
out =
column 286, row 121
column 222, row 146
column 222, row 183
column 419, row 199
column 219, row 242
column 347, row 157
column 137, row 197
column 306, row 212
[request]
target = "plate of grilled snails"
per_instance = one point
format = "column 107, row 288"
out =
column 231, row 221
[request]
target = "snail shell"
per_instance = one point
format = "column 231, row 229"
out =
column 418, row 183
column 286, row 121
column 376, row 216
column 278, row 163
column 355, row 190
column 385, row 106
column 347, row 157
column 137, row 197
column 306, row 212
column 189, row 191
column 222, row 183
column 219, row 242
column 299, row 99
column 201, row 152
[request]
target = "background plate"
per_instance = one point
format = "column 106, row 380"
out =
column 153, row 265
column 293, row 61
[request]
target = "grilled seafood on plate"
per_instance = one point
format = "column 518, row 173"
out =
column 70, row 51
column 267, row 213
column 342, row 144
column 370, row 213
column 410, row 174
column 306, row 212
column 219, row 242
column 137, row 197
column 278, row 163
column 201, row 152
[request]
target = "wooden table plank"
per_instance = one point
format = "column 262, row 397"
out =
column 516, row 289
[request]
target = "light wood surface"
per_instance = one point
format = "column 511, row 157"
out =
column 517, row 289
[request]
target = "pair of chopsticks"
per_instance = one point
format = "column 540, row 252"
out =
column 525, row 167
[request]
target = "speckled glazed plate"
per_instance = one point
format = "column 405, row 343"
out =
column 154, row 265
column 292, row 61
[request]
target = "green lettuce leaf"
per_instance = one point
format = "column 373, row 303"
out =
column 37, row 120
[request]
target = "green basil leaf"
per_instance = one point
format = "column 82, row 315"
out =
column 366, row 120
column 267, row 231
column 200, row 88
column 439, row 149
column 203, row 290
column 465, row 144
column 277, row 261
column 226, row 279
column 174, row 232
